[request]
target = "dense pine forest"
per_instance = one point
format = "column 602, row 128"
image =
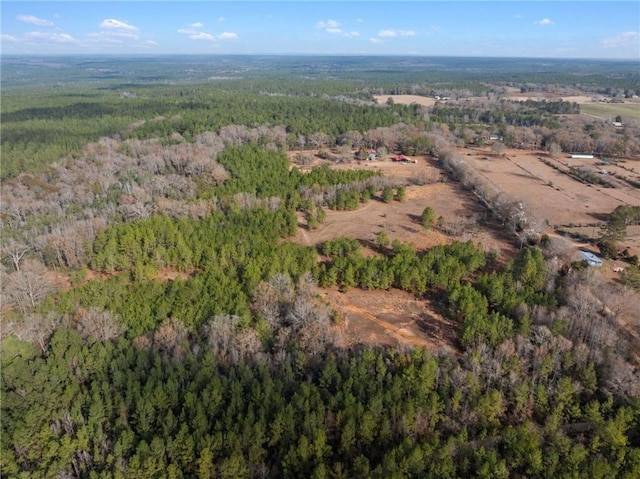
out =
column 158, row 321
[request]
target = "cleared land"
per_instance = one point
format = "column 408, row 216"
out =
column 392, row 318
column 547, row 186
column 629, row 110
column 611, row 110
column 406, row 99
column 589, row 105
column 401, row 220
column 543, row 183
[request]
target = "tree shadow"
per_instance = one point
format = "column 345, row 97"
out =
column 602, row 217
column 415, row 218
column 410, row 229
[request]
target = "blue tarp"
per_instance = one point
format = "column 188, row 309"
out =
column 591, row 258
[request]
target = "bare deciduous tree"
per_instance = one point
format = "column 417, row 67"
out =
column 28, row 287
column 169, row 338
column 101, row 325
column 554, row 149
column 231, row 342
column 37, row 328
column 621, row 380
column 15, row 251
column 318, row 140
column 498, row 148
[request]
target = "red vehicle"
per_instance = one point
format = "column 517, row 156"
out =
column 402, row 158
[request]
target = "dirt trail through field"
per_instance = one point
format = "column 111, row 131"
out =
column 401, row 332
column 391, row 317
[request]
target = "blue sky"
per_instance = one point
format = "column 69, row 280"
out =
column 574, row 29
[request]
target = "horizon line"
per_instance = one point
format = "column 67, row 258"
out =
column 305, row 54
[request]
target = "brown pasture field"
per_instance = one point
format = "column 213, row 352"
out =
column 401, row 220
column 406, row 99
column 396, row 318
column 550, row 191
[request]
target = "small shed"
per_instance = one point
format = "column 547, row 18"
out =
column 591, row 259
column 583, row 157
column 372, row 154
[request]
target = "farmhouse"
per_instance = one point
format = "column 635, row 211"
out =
column 591, row 259
column 372, row 154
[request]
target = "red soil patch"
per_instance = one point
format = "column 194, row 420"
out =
column 390, row 318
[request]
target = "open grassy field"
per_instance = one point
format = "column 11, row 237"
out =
column 611, row 110
column 630, row 109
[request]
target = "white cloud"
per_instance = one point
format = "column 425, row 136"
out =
column 327, row 24
column 35, row 21
column 624, row 39
column 53, row 37
column 202, row 36
column 117, row 34
column 332, row 27
column 375, row 40
column 7, row 38
column 228, row 36
column 222, row 19
column 544, row 22
column 195, row 33
column 113, row 24
column 394, row 33
column 151, row 42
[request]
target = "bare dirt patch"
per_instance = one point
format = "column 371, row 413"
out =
column 406, row 99
column 391, row 318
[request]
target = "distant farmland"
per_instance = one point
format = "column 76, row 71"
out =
column 629, row 110
column 611, row 110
